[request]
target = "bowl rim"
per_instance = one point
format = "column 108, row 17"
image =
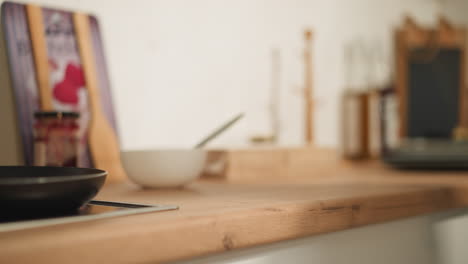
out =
column 168, row 150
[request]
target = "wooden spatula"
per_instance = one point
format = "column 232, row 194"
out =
column 39, row 48
column 308, row 92
column 102, row 138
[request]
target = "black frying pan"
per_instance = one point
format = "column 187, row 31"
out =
column 36, row 191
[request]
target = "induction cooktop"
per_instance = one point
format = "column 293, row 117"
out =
column 91, row 211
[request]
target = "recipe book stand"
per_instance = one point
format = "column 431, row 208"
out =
column 51, row 54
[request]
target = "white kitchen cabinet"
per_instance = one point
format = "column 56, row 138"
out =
column 430, row 239
column 452, row 237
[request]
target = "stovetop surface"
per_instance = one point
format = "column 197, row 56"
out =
column 91, row 211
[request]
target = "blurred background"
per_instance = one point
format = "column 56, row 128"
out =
column 305, row 73
column 185, row 66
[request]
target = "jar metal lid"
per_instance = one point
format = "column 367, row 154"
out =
column 56, row 114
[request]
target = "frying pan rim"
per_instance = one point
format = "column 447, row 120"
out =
column 92, row 173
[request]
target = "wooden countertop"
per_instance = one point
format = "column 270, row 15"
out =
column 219, row 216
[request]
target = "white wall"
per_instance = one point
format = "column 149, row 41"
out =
column 181, row 67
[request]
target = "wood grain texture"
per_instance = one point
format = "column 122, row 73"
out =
column 218, row 217
column 323, row 165
column 39, row 50
column 103, row 140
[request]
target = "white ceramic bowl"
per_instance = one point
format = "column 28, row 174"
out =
column 163, row 168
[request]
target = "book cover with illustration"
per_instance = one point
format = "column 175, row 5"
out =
column 67, row 83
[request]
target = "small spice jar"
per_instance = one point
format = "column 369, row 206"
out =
column 55, row 139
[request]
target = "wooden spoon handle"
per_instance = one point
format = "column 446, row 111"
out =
column 308, row 92
column 41, row 61
column 103, row 141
